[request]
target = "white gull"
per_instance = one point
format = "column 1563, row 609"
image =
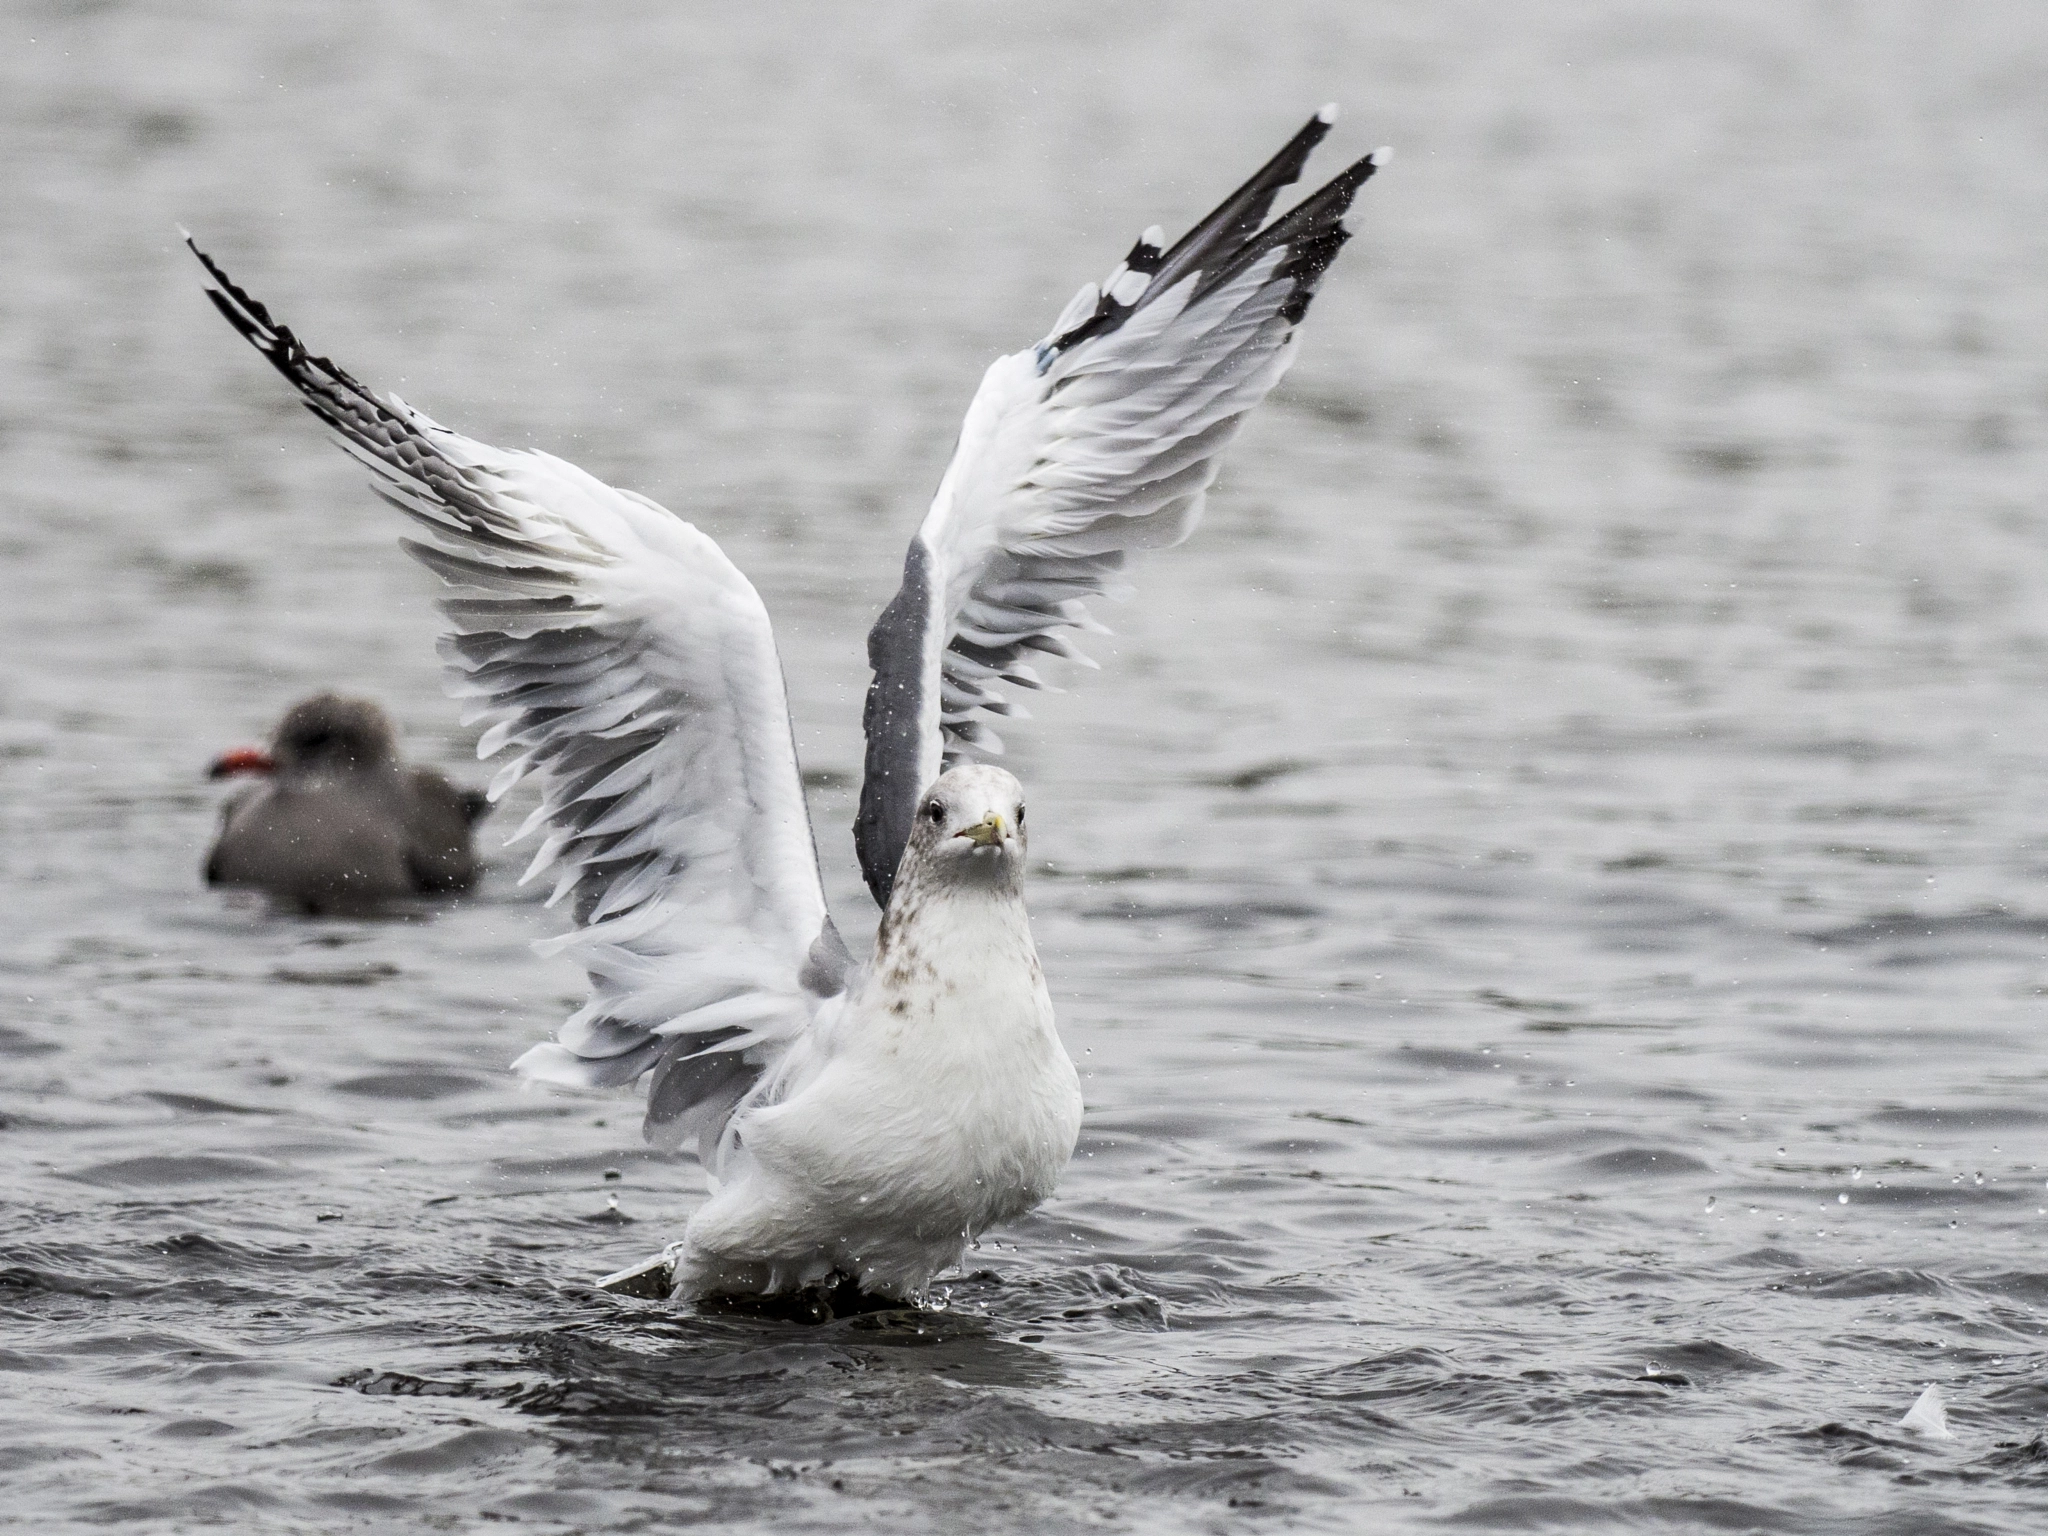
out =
column 862, row 1123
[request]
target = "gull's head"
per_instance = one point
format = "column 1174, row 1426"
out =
column 970, row 828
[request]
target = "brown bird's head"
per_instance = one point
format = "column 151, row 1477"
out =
column 328, row 732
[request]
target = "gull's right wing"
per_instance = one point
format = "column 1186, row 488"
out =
column 631, row 670
column 1099, row 441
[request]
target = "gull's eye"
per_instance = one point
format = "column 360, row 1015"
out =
column 935, row 813
column 1020, row 818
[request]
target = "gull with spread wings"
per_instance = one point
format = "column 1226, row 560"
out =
column 861, row 1123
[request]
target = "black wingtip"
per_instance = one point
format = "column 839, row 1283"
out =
column 1229, row 238
column 247, row 315
column 1238, row 215
column 309, row 373
column 227, row 295
column 1313, row 230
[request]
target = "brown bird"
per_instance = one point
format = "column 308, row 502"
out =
column 341, row 823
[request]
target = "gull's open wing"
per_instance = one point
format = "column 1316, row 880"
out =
column 630, row 669
column 1100, row 440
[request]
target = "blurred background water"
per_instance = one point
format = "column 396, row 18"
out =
column 1548, row 893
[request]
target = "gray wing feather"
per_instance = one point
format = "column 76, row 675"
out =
column 1100, row 441
column 630, row 671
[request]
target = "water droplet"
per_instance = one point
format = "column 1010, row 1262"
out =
column 1842, row 1199
column 1979, row 1180
column 1781, row 1151
column 1855, row 1173
column 1953, row 1222
column 611, row 1202
column 1710, row 1202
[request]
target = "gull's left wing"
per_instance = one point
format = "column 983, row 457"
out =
column 630, row 669
column 1100, row 440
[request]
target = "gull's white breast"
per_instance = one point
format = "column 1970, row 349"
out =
column 938, row 1103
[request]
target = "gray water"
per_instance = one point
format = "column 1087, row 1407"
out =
column 1548, row 893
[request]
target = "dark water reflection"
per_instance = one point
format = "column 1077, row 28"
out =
column 1548, row 893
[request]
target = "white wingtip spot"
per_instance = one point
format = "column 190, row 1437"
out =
column 1154, row 236
column 1328, row 114
column 1381, row 156
column 1130, row 287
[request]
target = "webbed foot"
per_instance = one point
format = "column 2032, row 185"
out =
column 835, row 1296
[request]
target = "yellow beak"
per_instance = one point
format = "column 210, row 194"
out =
column 985, row 833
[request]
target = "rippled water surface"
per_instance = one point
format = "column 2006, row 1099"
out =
column 1548, row 892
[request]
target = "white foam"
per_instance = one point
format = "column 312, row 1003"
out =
column 1928, row 1416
